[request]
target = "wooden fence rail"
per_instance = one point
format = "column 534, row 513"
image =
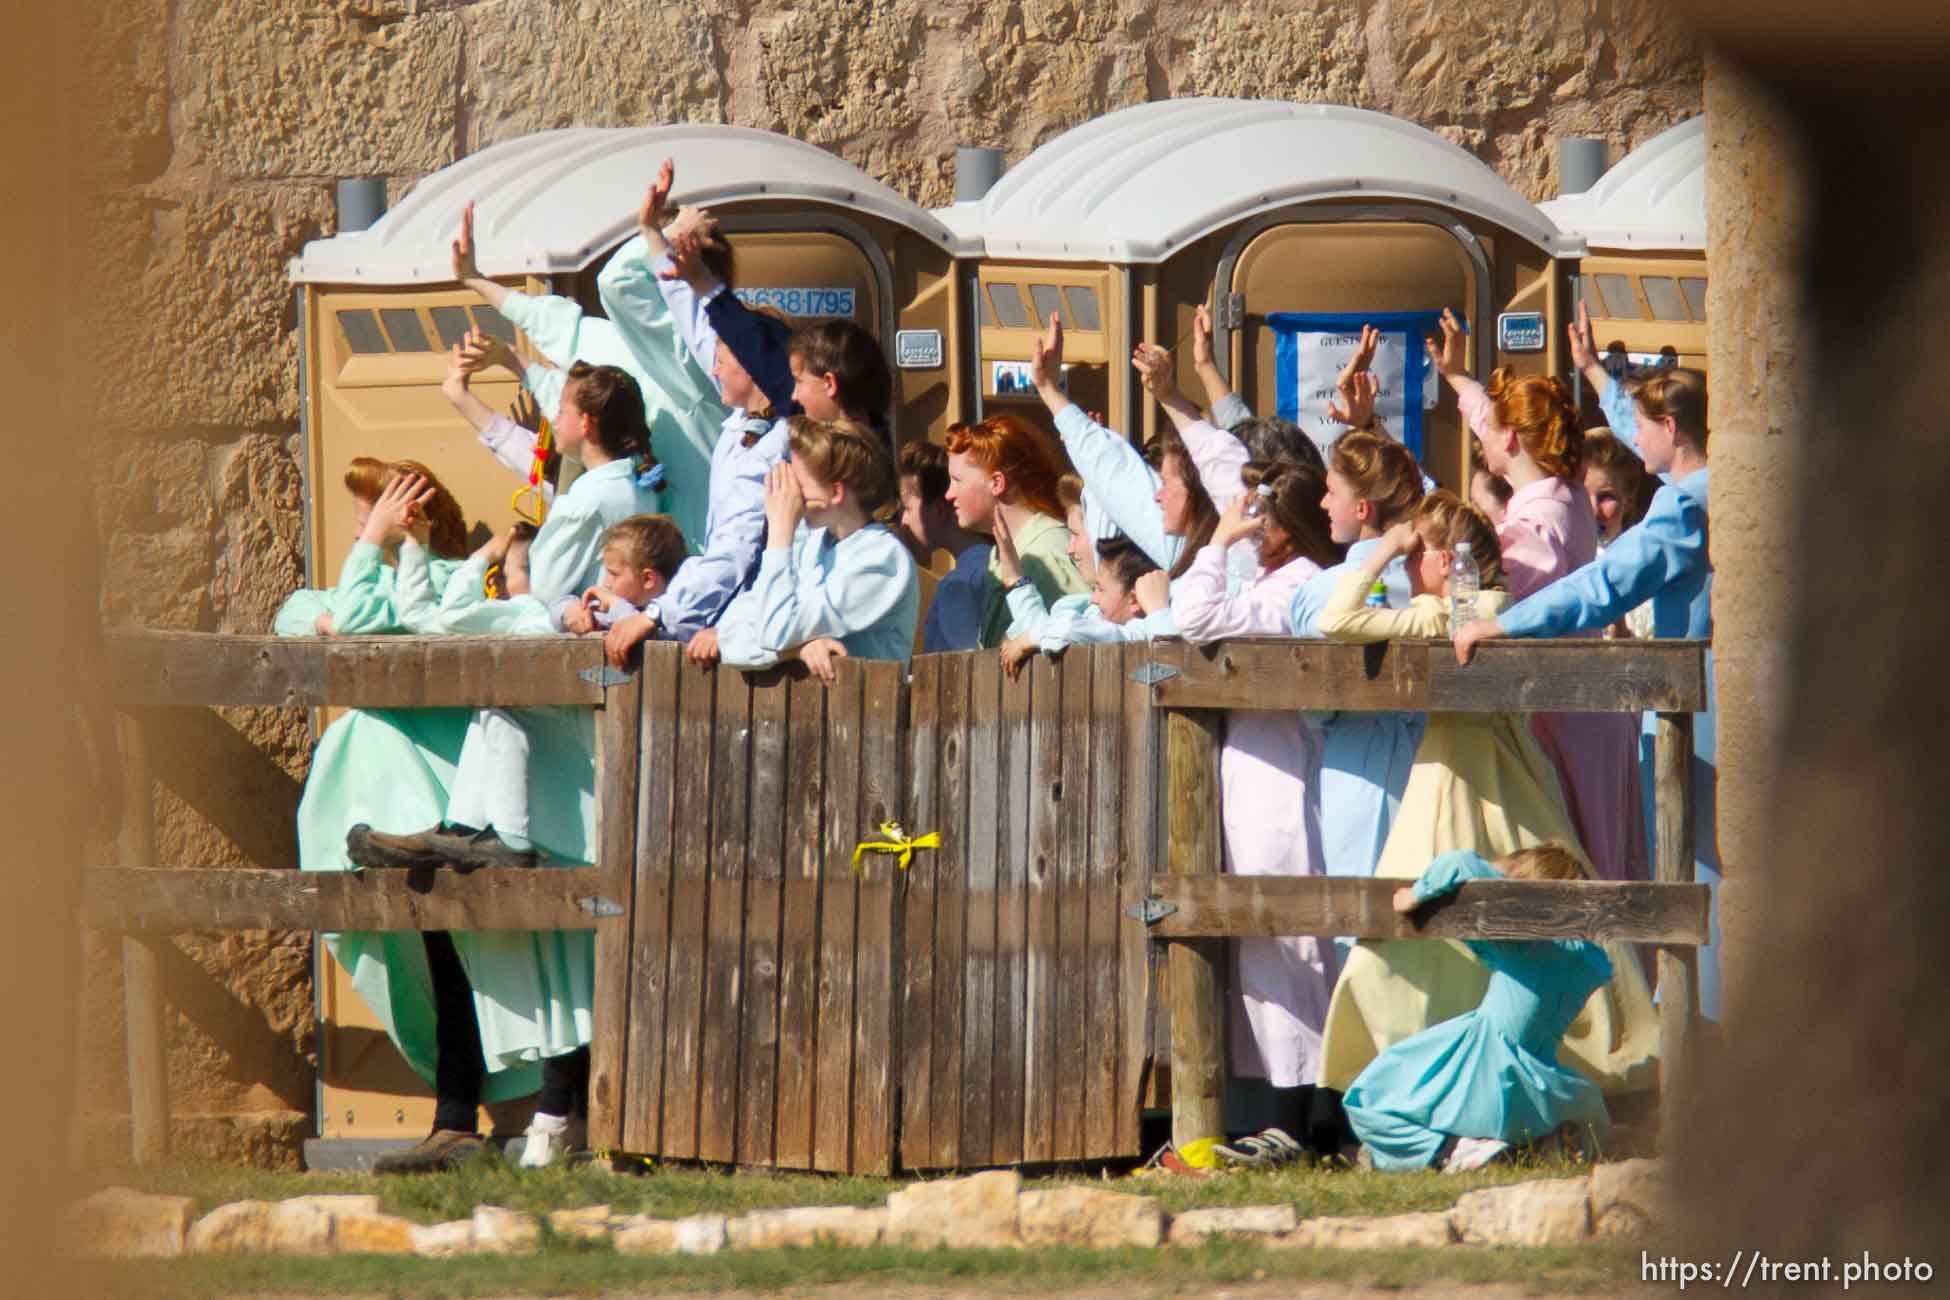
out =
column 760, row 1002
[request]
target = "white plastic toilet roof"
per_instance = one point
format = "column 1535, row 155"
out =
column 1139, row 184
column 1653, row 200
column 557, row 200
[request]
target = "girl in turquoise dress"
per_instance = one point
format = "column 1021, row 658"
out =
column 1460, row 1093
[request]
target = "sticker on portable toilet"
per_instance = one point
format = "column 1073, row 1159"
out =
column 800, row 302
column 1520, row 331
column 917, row 349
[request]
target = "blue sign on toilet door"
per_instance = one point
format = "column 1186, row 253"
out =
column 1520, row 331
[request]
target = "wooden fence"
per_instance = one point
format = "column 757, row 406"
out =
column 759, row 1002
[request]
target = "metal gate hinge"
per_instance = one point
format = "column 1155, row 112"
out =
column 1150, row 673
column 1232, row 311
column 599, row 907
column 604, row 676
column 1150, row 911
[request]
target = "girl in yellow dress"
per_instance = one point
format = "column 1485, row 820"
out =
column 1480, row 783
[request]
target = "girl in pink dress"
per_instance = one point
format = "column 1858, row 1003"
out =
column 1527, row 432
column 1268, row 804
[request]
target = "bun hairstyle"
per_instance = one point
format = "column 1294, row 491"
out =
column 1269, row 438
column 1003, row 444
column 1539, row 410
column 926, row 462
column 611, row 397
column 1444, row 519
column 844, row 451
column 1548, row 861
column 853, row 357
column 1381, row 471
column 1295, row 506
column 1069, row 491
column 1677, row 394
column 366, row 478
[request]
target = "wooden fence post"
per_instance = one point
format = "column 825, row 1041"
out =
column 1678, row 966
column 142, row 1003
column 1197, row 1005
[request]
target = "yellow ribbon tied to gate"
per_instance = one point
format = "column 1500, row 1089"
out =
column 897, row 841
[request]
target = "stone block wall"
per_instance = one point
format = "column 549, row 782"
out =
column 226, row 123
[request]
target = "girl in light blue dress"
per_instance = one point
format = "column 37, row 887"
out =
column 1458, row 1094
column 834, row 581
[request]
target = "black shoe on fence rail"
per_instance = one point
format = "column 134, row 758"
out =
column 437, row 1152
column 456, row 847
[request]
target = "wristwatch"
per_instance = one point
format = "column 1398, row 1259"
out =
column 1019, row 583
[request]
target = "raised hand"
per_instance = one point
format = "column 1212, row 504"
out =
column 685, row 250
column 1008, row 564
column 1584, row 344
column 650, row 217
column 465, row 268
column 1202, row 337
column 1153, row 365
column 400, row 510
column 1046, row 357
column 1357, row 394
column 1451, row 358
column 1234, row 525
column 479, row 350
column 525, row 411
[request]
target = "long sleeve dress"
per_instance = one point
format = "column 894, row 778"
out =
column 1043, row 553
column 1493, row 1071
column 1270, row 811
column 1548, row 531
column 860, row 590
column 1364, row 757
column 1479, row 782
column 1662, row 559
column 680, row 402
column 392, row 769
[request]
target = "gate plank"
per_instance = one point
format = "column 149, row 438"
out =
column 917, row 919
column 1140, row 846
column 758, row 1052
column 799, row 942
column 690, row 886
column 1103, row 870
column 1071, row 798
column 718, row 1070
column 882, row 736
column 838, row 900
column 656, row 832
column 982, row 766
column 1011, row 776
column 950, row 913
column 618, row 736
column 1043, row 864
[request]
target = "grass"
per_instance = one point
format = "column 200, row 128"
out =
column 672, row 1191
column 565, row 1271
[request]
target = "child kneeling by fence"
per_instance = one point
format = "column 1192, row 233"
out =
column 1458, row 1095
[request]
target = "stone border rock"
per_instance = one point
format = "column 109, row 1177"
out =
column 990, row 1210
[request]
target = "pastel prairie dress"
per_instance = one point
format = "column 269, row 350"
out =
column 1481, row 783
column 392, row 769
column 1492, row 1072
column 1270, row 810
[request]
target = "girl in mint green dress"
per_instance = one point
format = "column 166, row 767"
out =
column 1461, row 1092
column 389, row 767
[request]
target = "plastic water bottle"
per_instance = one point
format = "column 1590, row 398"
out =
column 1377, row 595
column 1464, row 583
column 1242, row 558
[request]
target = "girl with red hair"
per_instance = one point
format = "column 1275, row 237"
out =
column 1002, row 478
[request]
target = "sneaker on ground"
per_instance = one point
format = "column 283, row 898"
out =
column 437, row 1152
column 1270, row 1146
column 1474, row 1153
column 549, row 1140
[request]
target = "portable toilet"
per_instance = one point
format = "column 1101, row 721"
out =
column 1644, row 274
column 812, row 234
column 1297, row 223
